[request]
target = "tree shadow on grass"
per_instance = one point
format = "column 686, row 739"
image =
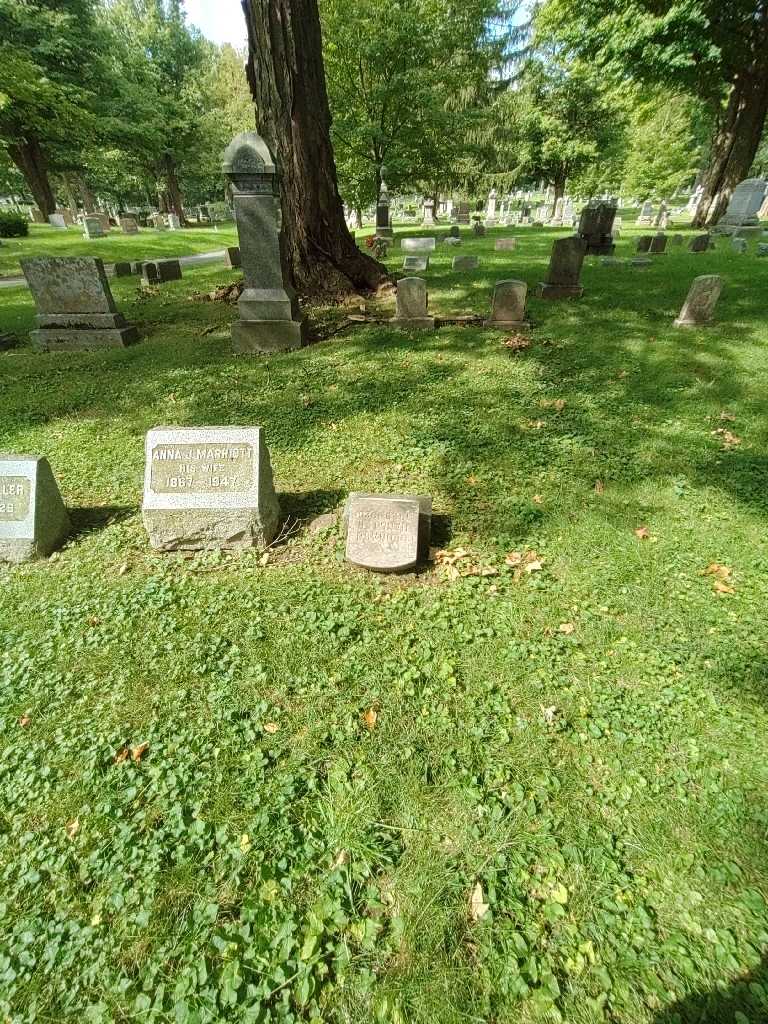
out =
column 747, row 997
column 90, row 519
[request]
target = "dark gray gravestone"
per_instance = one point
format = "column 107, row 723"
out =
column 232, row 257
column 122, row 269
column 160, row 271
column 564, row 270
column 465, row 263
column 644, row 243
column 207, row 488
column 75, row 308
column 416, row 263
column 596, row 227
column 699, row 243
column 33, row 520
column 658, row 244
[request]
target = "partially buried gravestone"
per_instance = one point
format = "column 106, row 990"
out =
column 505, row 244
column 508, row 306
column 418, row 244
column 465, row 263
column 207, row 488
column 411, row 301
column 416, row 263
column 92, row 227
column 388, row 532
column 160, row 271
column 232, row 257
column 33, row 520
column 122, row 269
column 700, row 243
column 564, row 270
column 75, row 308
column 129, row 225
column 658, row 244
column 644, row 243
column 700, row 302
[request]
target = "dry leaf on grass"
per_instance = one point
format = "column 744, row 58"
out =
column 477, row 907
column 722, row 572
column 516, row 343
column 722, row 588
column 566, row 627
column 599, row 487
column 538, row 499
column 729, row 440
column 24, row 721
column 73, row 828
column 549, row 713
column 138, row 752
column 642, row 533
column 271, row 728
column 370, row 717
column 728, row 417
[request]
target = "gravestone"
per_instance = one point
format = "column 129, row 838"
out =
column 462, row 216
column 33, row 520
column 490, row 213
column 104, row 218
column 564, row 270
column 762, row 249
column 508, row 306
column 505, row 244
column 129, row 225
column 173, row 222
column 479, row 229
column 658, row 244
column 160, row 271
column 37, row 216
column 416, row 263
column 676, row 240
column 465, row 263
column 137, row 266
column 383, row 224
column 122, row 269
column 739, row 245
column 75, row 308
column 644, row 243
column 658, row 221
column 699, row 243
column 56, row 220
column 641, row 263
column 232, row 257
column 454, row 231
column 646, row 213
column 743, row 206
column 92, row 227
column 270, row 319
column 596, row 227
column 701, row 300
column 429, row 213
column 387, row 532
column 411, row 304
column 452, row 241
column 418, row 244
column 207, row 488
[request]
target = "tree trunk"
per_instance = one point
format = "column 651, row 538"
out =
column 735, row 143
column 358, row 216
column 175, row 198
column 559, row 184
column 30, row 160
column 287, row 79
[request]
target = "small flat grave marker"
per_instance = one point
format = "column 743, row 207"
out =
column 416, row 263
column 418, row 244
column 465, row 263
column 383, row 531
column 505, row 244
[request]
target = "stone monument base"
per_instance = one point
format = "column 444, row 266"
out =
column 692, row 323
column 82, row 332
column 384, row 232
column 209, row 529
column 559, row 291
column 260, row 337
column 508, row 325
column 426, row 323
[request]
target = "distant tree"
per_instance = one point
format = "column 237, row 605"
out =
column 716, row 50
column 287, row 78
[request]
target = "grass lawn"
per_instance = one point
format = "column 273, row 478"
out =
column 335, row 762
column 44, row 240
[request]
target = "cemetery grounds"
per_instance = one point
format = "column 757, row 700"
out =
column 527, row 783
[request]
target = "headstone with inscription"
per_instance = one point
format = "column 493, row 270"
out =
column 463, row 213
column 596, row 227
column 56, row 220
column 646, row 213
column 418, row 244
column 563, row 279
column 416, row 263
column 388, row 532
column 700, row 302
column 658, row 244
column 92, row 227
column 160, row 271
column 411, row 302
column 207, row 488
column 504, row 244
column 75, row 308
column 270, row 319
column 129, row 225
column 465, row 263
column 744, row 205
column 508, row 306
column 429, row 213
column 33, row 520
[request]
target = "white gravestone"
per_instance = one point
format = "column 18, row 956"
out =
column 418, row 244
column 56, row 220
column 387, row 532
column 33, row 520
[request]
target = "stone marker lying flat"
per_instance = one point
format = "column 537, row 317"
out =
column 75, row 308
column 508, row 306
column 700, row 302
column 207, row 488
column 416, row 263
column 388, row 532
column 418, row 244
column 411, row 299
column 505, row 244
column 159, row 271
column 465, row 263
column 33, row 520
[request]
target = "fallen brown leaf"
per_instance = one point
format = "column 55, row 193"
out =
column 516, row 343
column 122, row 755
column 599, row 487
column 722, row 588
column 722, row 572
column 549, row 713
column 727, row 416
column 538, row 499
column 477, row 907
column 729, row 440
column 24, row 721
column 73, row 828
column 138, row 752
column 642, row 533
column 370, row 717
column 566, row 627
column 271, row 728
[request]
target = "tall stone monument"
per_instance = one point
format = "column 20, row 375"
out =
column 383, row 226
column 270, row 320
column 33, row 520
column 429, row 213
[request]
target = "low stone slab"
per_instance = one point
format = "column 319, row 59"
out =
column 508, row 306
column 416, row 263
column 33, row 520
column 129, row 225
column 207, row 488
column 700, row 243
column 465, row 263
column 418, row 244
column 640, row 263
column 232, row 258
column 411, row 302
column 452, row 241
column 160, row 271
column 387, row 533
column 505, row 244
column 700, row 302
column 122, row 269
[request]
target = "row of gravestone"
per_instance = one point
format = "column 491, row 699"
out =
column 96, row 225
column 207, row 488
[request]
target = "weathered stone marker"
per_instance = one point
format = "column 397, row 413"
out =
column 232, row 257
column 388, row 532
column 418, row 244
column 700, row 243
column 644, row 243
column 75, row 308
column 505, row 244
column 56, row 220
column 173, row 222
column 411, row 304
column 658, row 244
column 129, row 225
column 596, row 227
column 160, row 271
column 93, row 227
column 33, row 520
column 122, row 269
column 270, row 320
column 208, row 488
column 564, row 270
column 743, row 206
column 465, row 263
column 508, row 306
column 416, row 263
column 700, row 302
column 738, row 244
column 454, row 231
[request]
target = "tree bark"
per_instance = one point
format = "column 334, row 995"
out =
column 287, row 79
column 30, row 160
column 89, row 201
column 559, row 183
column 734, row 145
column 175, row 198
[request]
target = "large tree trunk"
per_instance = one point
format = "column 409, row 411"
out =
column 559, row 183
column 735, row 143
column 89, row 200
column 287, row 80
column 30, row 160
column 175, row 198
